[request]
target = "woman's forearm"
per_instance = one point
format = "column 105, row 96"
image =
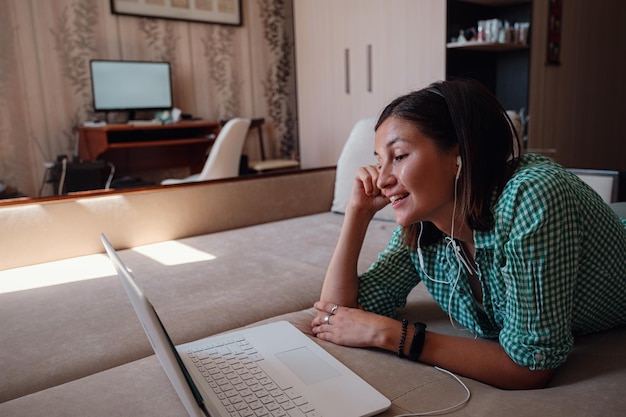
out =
column 478, row 359
column 341, row 281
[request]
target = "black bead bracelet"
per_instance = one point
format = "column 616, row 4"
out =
column 405, row 324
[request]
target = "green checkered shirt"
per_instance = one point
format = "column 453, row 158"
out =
column 554, row 266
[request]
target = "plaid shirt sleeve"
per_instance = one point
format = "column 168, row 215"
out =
column 538, row 277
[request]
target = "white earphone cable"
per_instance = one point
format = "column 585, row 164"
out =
column 457, row 251
column 421, row 258
column 448, row 409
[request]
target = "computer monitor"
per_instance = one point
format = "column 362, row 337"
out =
column 130, row 86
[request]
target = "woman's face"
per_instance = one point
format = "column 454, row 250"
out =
column 414, row 174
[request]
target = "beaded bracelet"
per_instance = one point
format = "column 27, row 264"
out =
column 405, row 324
column 417, row 344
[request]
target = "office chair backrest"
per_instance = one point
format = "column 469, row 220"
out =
column 225, row 154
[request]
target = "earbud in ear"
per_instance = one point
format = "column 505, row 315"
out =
column 459, row 164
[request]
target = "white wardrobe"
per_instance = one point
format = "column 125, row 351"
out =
column 353, row 57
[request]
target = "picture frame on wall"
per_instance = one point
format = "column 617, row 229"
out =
column 223, row 12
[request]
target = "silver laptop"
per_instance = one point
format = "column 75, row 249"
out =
column 272, row 369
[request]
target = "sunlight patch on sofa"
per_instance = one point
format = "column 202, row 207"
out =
column 53, row 273
column 173, row 253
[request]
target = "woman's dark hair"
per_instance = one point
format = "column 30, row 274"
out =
column 463, row 112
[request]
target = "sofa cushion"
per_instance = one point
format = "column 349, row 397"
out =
column 64, row 332
column 357, row 152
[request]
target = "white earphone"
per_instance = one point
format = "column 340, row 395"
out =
column 459, row 164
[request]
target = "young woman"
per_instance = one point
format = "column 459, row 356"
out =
column 513, row 247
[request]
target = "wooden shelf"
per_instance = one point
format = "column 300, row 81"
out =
column 486, row 46
column 503, row 67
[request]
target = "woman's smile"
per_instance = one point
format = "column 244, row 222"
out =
column 395, row 199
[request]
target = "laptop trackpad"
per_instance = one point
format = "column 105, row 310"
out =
column 306, row 365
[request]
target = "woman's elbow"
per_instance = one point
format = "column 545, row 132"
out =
column 528, row 380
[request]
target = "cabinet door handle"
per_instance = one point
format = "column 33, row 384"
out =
column 369, row 69
column 347, row 67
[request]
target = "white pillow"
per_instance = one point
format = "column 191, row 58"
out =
column 357, row 152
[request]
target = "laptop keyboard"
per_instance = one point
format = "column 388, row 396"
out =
column 233, row 370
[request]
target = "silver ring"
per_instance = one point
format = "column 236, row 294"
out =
column 327, row 319
column 334, row 309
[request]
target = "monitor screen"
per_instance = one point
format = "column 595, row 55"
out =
column 130, row 85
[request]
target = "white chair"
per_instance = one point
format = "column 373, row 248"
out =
column 224, row 156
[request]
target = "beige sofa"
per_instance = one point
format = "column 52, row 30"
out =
column 77, row 349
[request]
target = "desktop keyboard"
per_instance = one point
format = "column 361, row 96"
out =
column 233, row 371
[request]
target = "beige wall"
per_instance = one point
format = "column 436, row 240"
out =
column 218, row 72
column 578, row 107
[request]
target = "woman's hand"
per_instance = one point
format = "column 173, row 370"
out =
column 354, row 327
column 365, row 193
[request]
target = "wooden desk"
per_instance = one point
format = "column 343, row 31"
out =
column 134, row 148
